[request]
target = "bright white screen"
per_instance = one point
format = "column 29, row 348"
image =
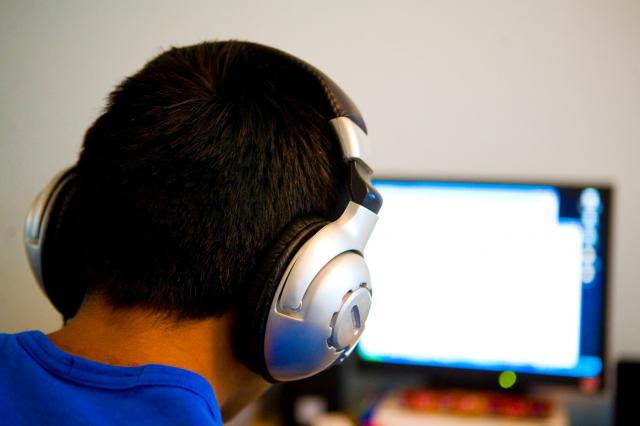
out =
column 479, row 275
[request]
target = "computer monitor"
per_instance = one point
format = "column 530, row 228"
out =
column 493, row 281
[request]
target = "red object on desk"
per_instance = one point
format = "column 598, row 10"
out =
column 474, row 403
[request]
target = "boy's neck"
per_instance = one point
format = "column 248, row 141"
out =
column 138, row 336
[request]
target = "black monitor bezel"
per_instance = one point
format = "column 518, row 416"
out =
column 488, row 379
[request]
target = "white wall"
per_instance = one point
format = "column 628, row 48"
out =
column 497, row 89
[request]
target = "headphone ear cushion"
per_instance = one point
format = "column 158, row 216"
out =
column 262, row 289
column 63, row 277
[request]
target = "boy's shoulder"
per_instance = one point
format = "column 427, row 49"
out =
column 40, row 384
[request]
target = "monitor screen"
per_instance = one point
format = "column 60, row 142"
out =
column 489, row 276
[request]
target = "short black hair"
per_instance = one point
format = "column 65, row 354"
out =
column 199, row 160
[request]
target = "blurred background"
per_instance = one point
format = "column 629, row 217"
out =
column 494, row 89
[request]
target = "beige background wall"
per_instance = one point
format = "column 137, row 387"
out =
column 525, row 89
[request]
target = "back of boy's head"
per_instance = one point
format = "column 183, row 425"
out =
column 198, row 162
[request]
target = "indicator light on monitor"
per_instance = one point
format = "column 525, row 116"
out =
column 507, row 379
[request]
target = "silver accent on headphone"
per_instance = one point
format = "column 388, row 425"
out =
column 301, row 345
column 35, row 225
column 311, row 323
column 353, row 139
column 348, row 323
column 350, row 232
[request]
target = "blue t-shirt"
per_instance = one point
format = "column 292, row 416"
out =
column 40, row 384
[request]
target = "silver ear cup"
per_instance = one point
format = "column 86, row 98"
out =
column 322, row 302
column 328, row 324
column 35, row 224
column 32, row 232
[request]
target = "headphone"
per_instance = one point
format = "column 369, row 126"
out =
column 310, row 293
